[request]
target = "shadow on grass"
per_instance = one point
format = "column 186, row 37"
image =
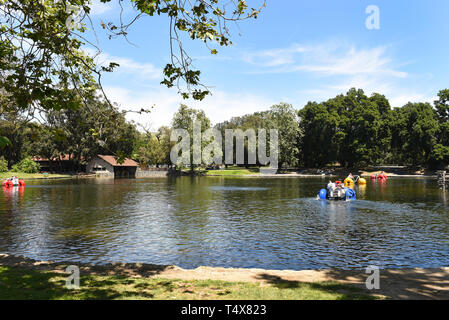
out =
column 404, row 283
column 345, row 292
column 24, row 284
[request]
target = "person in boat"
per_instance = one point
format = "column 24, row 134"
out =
column 14, row 180
column 353, row 178
column 330, row 186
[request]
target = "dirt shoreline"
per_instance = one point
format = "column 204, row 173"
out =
column 394, row 283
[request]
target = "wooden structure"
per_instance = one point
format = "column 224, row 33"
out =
column 63, row 163
column 107, row 166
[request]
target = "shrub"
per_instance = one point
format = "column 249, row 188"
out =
column 439, row 157
column 26, row 165
column 3, row 165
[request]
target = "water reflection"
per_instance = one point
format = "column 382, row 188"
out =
column 232, row 222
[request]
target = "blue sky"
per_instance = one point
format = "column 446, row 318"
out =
column 296, row 51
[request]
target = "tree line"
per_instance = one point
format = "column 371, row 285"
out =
column 357, row 130
column 351, row 130
column 95, row 127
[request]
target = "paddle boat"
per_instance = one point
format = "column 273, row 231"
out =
column 381, row 177
column 349, row 182
column 12, row 182
column 337, row 191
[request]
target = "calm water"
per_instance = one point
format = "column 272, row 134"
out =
column 271, row 223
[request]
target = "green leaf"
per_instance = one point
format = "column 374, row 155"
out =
column 4, row 142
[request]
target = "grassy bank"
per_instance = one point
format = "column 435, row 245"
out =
column 21, row 175
column 233, row 171
column 242, row 172
column 22, row 283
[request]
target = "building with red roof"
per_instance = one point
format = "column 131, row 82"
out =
column 107, row 165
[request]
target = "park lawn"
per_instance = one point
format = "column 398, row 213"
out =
column 21, row 175
column 233, row 172
column 25, row 284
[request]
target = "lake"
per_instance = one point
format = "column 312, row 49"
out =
column 271, row 223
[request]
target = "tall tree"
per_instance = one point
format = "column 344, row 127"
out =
column 415, row 130
column 440, row 152
column 320, row 141
column 185, row 118
column 97, row 128
column 284, row 118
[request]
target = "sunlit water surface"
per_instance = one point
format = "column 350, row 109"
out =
column 273, row 223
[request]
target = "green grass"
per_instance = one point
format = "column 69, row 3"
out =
column 19, row 283
column 233, row 171
column 21, row 175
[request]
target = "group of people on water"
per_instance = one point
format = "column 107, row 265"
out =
column 15, row 180
column 351, row 179
column 381, row 175
column 332, row 185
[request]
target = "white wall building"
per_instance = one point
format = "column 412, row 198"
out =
column 107, row 166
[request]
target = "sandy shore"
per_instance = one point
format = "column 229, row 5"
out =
column 394, row 283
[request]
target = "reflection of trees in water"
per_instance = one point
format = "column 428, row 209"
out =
column 69, row 216
column 361, row 191
column 193, row 206
column 444, row 196
column 28, row 225
column 9, row 206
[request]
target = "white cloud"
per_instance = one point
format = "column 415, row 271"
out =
column 273, row 57
column 338, row 66
column 327, row 59
column 405, row 97
column 99, row 8
column 127, row 65
column 352, row 62
column 218, row 107
column 332, row 68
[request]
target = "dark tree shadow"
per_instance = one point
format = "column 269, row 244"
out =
column 346, row 291
column 397, row 284
column 23, row 278
column 416, row 284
